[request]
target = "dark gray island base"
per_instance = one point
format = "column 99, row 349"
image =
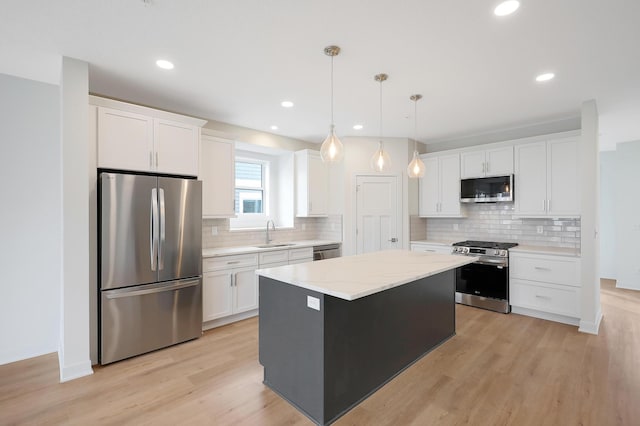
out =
column 326, row 361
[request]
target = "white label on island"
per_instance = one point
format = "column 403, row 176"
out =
column 313, row 303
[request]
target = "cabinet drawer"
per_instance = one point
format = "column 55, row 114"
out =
column 431, row 248
column 274, row 256
column 301, row 253
column 548, row 269
column 556, row 299
column 305, row 260
column 227, row 262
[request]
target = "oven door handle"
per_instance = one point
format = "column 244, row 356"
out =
column 498, row 263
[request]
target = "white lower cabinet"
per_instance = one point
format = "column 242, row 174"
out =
column 300, row 255
column 230, row 286
column 230, row 283
column 545, row 286
column 431, row 248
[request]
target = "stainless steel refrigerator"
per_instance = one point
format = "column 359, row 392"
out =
column 150, row 268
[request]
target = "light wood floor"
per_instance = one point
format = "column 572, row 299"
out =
column 498, row 370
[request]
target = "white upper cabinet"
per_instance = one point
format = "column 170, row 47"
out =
column 312, row 184
column 125, row 140
column 563, row 191
column 440, row 186
column 489, row 162
column 131, row 137
column 217, row 173
column 546, row 179
column 176, row 147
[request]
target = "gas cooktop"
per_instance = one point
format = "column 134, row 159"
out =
column 486, row 244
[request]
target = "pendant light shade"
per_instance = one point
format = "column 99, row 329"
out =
column 332, row 150
column 415, row 169
column 380, row 161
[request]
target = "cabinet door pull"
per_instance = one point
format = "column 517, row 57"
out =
column 544, row 205
column 233, row 262
column 549, row 205
column 156, row 160
column 542, row 297
column 541, row 268
column 232, row 276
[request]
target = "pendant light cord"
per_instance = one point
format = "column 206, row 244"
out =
column 332, row 123
column 415, row 125
column 380, row 110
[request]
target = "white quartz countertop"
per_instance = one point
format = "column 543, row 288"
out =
column 563, row 251
column 353, row 277
column 274, row 245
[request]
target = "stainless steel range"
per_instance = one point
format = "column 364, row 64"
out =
column 484, row 283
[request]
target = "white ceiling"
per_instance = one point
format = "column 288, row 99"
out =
column 236, row 60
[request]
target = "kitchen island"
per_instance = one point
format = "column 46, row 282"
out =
column 333, row 332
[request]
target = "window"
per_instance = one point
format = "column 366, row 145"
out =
column 263, row 188
column 250, row 187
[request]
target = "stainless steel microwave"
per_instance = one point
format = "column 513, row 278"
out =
column 487, row 190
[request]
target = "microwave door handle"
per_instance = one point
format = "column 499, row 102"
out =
column 153, row 229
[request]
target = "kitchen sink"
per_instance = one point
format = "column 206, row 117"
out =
column 274, row 245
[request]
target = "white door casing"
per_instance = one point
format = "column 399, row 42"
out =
column 378, row 214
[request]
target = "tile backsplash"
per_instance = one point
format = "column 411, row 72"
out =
column 496, row 222
column 316, row 228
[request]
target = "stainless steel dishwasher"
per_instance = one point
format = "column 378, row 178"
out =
column 326, row 251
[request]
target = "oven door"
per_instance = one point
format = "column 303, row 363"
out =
column 485, row 280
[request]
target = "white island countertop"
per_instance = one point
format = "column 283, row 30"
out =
column 353, row 277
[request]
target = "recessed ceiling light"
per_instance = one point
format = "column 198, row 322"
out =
column 164, row 64
column 506, row 8
column 274, row 127
column 286, row 104
column 545, row 77
column 358, row 126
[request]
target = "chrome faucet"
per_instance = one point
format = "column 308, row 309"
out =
column 273, row 227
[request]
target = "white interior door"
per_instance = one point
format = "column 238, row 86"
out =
column 377, row 214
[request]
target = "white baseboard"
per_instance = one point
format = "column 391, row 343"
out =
column 228, row 320
column 75, row 371
column 591, row 327
column 627, row 285
column 545, row 315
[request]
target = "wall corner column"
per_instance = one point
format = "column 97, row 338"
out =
column 74, row 352
column 589, row 178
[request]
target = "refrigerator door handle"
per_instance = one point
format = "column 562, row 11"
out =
column 118, row 294
column 153, row 229
column 162, row 231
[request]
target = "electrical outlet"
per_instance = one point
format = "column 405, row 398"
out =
column 456, row 227
column 539, row 229
column 313, row 303
column 304, row 226
column 214, row 230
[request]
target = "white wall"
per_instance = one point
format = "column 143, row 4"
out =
column 627, row 167
column 608, row 252
column 30, row 218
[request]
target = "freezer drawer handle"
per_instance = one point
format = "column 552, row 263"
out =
column 176, row 286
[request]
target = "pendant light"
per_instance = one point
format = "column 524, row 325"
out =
column 415, row 169
column 331, row 150
column 380, row 162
